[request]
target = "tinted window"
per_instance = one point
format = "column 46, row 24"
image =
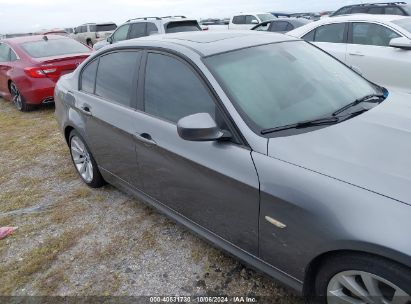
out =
column 115, row 75
column 280, row 26
column 4, row 52
column 186, row 26
column 376, row 10
column 359, row 10
column 138, row 30
column 121, row 33
column 333, row 33
column 251, row 19
column 88, row 77
column 151, row 28
column 92, row 27
column 393, row 10
column 265, row 17
column 262, row 27
column 372, row 34
column 13, row 55
column 407, row 8
column 309, row 36
column 84, row 29
column 105, row 27
column 173, row 91
column 290, row 27
column 54, row 47
column 239, row 20
column 342, row 11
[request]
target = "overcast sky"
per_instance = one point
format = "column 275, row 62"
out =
column 31, row 15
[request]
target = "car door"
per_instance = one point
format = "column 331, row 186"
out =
column 214, row 184
column 331, row 38
column 5, row 66
column 370, row 53
column 106, row 101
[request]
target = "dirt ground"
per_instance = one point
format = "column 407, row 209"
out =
column 75, row 241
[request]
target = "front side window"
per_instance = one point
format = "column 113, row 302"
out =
column 280, row 26
column 54, row 47
column 372, row 34
column 321, row 85
column 121, row 33
column 309, row 36
column 333, row 33
column 251, row 19
column 407, row 8
column 138, row 30
column 239, row 20
column 88, row 77
column 262, row 27
column 115, row 76
column 173, row 90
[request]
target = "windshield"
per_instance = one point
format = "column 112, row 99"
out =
column 182, row 26
column 265, row 17
column 405, row 23
column 408, row 9
column 54, row 47
column 286, row 83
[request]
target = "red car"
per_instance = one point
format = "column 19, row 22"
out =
column 30, row 67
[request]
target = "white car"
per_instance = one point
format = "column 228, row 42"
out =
column 377, row 46
column 246, row 21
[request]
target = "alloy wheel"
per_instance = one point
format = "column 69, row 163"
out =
column 81, row 158
column 359, row 287
column 16, row 96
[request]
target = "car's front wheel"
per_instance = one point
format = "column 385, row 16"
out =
column 84, row 161
column 363, row 279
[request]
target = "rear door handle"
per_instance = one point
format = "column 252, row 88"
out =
column 86, row 110
column 145, row 138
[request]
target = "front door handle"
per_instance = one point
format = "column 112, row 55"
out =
column 145, row 138
column 85, row 109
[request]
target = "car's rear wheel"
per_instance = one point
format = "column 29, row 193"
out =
column 84, row 161
column 18, row 99
column 363, row 279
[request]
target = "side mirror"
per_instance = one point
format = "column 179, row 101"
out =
column 110, row 39
column 401, row 43
column 254, row 22
column 199, row 127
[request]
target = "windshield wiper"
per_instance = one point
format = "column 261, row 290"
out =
column 304, row 124
column 368, row 98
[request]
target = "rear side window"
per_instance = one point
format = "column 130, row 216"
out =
column 186, row 26
column 359, row 10
column 138, row 30
column 309, row 36
column 115, row 76
column 88, row 77
column 394, row 10
column 54, row 47
column 239, row 20
column 173, row 91
column 333, row 33
column 105, row 27
column 280, row 26
column 151, row 28
column 372, row 34
column 376, row 10
column 342, row 11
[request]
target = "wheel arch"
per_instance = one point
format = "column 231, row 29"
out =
column 314, row 266
column 67, row 131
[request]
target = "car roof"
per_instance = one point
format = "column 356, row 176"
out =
column 209, row 43
column 364, row 17
column 23, row 39
column 164, row 19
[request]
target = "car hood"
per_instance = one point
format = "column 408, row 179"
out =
column 371, row 151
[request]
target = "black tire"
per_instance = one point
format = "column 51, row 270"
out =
column 18, row 99
column 90, row 43
column 388, row 270
column 97, row 180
